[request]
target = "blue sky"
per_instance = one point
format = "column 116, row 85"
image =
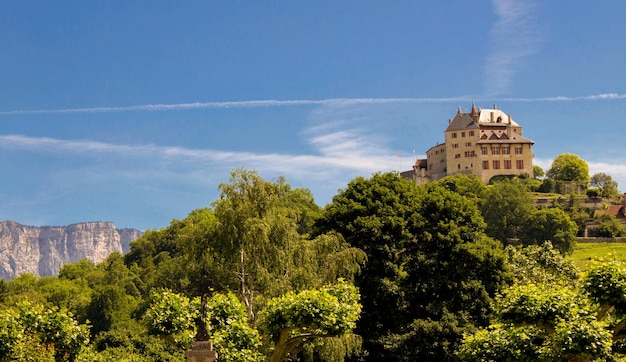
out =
column 135, row 111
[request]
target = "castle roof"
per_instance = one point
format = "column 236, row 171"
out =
column 480, row 117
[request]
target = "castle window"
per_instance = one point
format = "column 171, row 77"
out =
column 470, row 154
column 471, row 133
column 454, row 135
column 458, row 166
column 462, row 134
column 455, row 145
column 506, row 150
column 483, row 149
column 458, row 155
column 518, row 150
column 507, row 164
column 468, row 144
column 495, row 150
column 519, row 164
column 496, row 164
column 485, row 165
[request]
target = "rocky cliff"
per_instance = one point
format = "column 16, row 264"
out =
column 43, row 250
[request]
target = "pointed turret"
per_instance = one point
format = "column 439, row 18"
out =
column 474, row 113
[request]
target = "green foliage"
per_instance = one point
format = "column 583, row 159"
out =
column 323, row 260
column 606, row 285
column 541, row 264
column 172, row 316
column 228, row 328
column 569, row 167
column 503, row 343
column 605, row 184
column 547, row 186
column 540, row 323
column 294, row 319
column 131, row 345
column 31, row 331
column 610, row 227
column 552, row 225
column 505, row 206
column 470, row 186
column 538, row 171
column 592, row 193
column 374, row 215
column 416, row 300
column 110, row 308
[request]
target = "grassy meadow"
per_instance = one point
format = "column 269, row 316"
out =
column 585, row 252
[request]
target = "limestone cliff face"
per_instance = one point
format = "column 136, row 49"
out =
column 43, row 250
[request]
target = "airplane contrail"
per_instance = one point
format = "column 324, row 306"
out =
column 301, row 102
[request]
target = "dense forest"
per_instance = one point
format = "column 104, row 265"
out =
column 388, row 271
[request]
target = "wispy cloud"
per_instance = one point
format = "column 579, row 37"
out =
column 233, row 104
column 513, row 38
column 342, row 150
column 307, row 102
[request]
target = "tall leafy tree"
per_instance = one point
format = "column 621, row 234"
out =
column 293, row 320
column 374, row 215
column 569, row 167
column 452, row 275
column 254, row 235
column 538, row 171
column 430, row 270
column 552, row 225
column 505, row 206
column 605, row 183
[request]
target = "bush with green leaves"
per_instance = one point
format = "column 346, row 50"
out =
column 540, row 322
column 172, row 316
column 610, row 226
column 228, row 328
column 31, row 328
column 294, row 319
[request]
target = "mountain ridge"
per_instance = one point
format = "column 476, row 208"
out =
column 42, row 250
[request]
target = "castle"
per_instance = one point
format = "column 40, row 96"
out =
column 484, row 142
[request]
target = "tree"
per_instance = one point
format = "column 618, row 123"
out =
column 256, row 236
column 605, row 284
column 293, row 319
column 610, row 227
column 470, row 186
column 374, row 215
column 541, row 264
column 540, row 323
column 32, row 328
column 417, row 299
column 547, row 186
column 605, row 183
column 552, row 225
column 172, row 317
column 569, row 167
column 538, row 172
column 452, row 275
column 227, row 325
column 505, row 206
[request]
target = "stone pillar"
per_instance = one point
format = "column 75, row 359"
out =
column 202, row 351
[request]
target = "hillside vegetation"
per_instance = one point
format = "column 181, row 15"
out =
column 389, row 270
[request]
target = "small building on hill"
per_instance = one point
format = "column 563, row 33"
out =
column 483, row 142
column 619, row 211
